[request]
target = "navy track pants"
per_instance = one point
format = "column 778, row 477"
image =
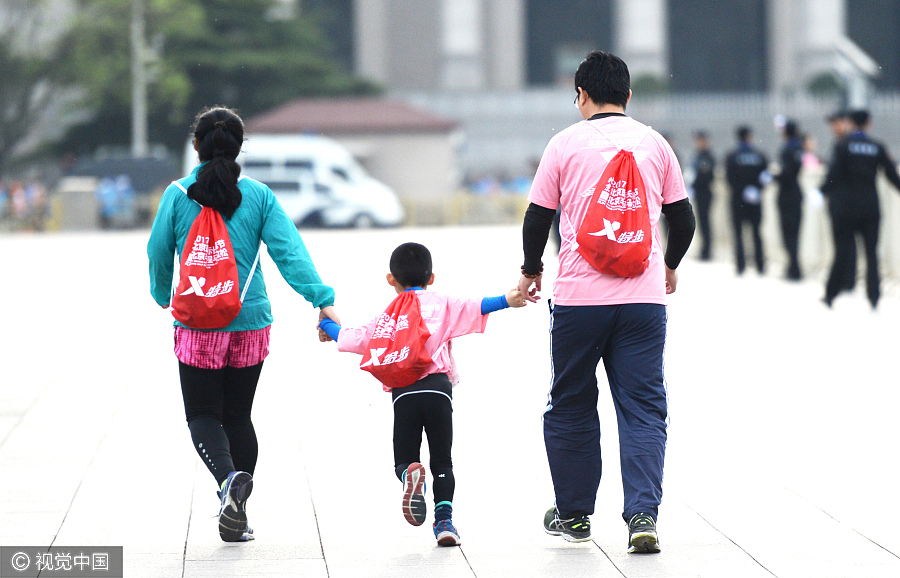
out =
column 630, row 340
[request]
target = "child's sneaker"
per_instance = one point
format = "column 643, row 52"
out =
column 233, row 512
column 446, row 533
column 642, row 538
column 414, row 509
column 577, row 529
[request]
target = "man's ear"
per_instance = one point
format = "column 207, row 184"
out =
column 390, row 279
column 196, row 144
column 629, row 97
column 430, row 281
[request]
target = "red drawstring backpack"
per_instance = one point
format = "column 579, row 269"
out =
column 206, row 293
column 396, row 353
column 615, row 235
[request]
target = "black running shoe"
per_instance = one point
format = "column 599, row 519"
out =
column 577, row 529
column 642, row 538
column 233, row 511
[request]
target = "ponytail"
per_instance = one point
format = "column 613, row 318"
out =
column 219, row 133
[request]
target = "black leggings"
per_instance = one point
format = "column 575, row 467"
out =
column 423, row 408
column 217, row 404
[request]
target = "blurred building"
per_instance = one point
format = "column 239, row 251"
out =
column 679, row 45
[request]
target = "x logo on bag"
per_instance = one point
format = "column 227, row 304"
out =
column 376, row 353
column 196, row 286
column 609, row 230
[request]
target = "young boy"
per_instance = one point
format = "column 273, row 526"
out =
column 426, row 404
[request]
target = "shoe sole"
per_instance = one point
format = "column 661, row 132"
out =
column 644, row 544
column 568, row 537
column 233, row 519
column 448, row 539
column 414, row 509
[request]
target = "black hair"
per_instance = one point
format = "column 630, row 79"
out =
column 701, row 134
column 411, row 265
column 220, row 133
column 604, row 77
column 860, row 118
column 791, row 130
column 743, row 133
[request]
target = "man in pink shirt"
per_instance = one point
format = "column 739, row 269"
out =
column 597, row 316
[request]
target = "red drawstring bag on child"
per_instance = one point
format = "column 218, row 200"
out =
column 396, row 353
column 615, row 236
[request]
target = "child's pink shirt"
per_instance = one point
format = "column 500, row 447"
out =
column 571, row 165
column 446, row 317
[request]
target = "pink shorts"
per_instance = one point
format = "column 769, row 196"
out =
column 217, row 349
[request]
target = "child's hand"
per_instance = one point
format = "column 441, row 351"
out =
column 326, row 313
column 323, row 337
column 515, row 298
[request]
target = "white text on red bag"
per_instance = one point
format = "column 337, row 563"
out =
column 615, row 236
column 396, row 353
column 206, row 293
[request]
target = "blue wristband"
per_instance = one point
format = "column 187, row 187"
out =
column 491, row 304
column 330, row 327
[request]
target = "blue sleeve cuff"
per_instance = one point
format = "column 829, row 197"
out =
column 331, row 328
column 491, row 304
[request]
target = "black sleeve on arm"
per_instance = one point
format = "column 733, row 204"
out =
column 680, row 217
column 890, row 169
column 535, row 231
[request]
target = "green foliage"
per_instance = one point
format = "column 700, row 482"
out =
column 649, row 84
column 205, row 52
column 825, row 84
column 27, row 87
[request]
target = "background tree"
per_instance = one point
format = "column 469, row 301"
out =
column 240, row 53
column 27, row 89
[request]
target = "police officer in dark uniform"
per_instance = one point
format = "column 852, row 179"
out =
column 704, row 165
column 853, row 204
column 790, row 196
column 841, row 126
column 745, row 170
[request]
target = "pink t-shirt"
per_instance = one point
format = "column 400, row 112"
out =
column 446, row 317
column 572, row 164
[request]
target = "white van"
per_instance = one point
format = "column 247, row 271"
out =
column 317, row 181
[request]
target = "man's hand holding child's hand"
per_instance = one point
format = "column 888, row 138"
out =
column 515, row 298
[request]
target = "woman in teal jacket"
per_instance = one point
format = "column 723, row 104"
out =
column 220, row 368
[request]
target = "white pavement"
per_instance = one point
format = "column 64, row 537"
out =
column 782, row 453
